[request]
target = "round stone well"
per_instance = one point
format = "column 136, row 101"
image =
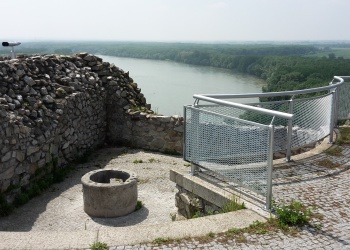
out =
column 109, row 193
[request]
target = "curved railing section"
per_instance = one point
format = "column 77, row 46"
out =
column 239, row 141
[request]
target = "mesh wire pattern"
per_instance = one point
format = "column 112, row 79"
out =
column 344, row 101
column 232, row 147
column 235, row 143
column 311, row 120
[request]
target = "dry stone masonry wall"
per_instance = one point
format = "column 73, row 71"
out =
column 59, row 107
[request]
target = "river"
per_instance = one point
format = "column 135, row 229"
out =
column 168, row 86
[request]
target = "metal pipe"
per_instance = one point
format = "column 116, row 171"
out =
column 336, row 105
column 285, row 93
column 289, row 132
column 245, row 107
column 184, row 136
column 270, row 168
column 231, row 117
column 195, row 150
column 331, row 125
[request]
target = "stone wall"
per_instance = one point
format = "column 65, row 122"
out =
column 59, row 107
column 197, row 195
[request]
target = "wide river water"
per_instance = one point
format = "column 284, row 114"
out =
column 168, row 86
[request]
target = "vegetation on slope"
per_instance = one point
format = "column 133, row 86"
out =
column 283, row 66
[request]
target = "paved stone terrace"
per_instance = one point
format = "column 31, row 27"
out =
column 308, row 181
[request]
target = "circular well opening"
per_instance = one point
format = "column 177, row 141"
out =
column 107, row 175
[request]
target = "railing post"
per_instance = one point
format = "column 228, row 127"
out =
column 184, row 135
column 194, row 168
column 270, row 167
column 332, row 121
column 195, row 140
column 290, row 131
column 336, row 105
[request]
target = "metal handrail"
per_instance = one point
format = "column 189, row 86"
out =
column 284, row 93
column 333, row 92
column 245, row 107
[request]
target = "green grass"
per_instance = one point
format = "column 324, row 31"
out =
column 288, row 221
column 161, row 240
column 344, row 138
column 98, row 246
column 328, row 163
column 232, row 205
column 152, row 160
column 137, row 161
column 334, row 151
column 139, row 205
column 293, row 214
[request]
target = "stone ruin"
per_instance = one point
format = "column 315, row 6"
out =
column 55, row 108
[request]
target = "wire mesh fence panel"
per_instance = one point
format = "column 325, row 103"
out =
column 311, row 120
column 232, row 147
column 280, row 130
column 226, row 138
column 224, row 110
column 344, row 101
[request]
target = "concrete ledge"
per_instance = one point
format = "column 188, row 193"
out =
column 114, row 236
column 215, row 191
column 179, row 229
column 315, row 151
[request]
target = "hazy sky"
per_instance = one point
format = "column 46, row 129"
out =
column 174, row 20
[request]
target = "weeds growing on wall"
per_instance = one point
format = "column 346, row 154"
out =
column 232, row 205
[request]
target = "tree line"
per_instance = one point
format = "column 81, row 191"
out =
column 283, row 66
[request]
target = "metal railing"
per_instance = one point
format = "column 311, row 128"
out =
column 238, row 140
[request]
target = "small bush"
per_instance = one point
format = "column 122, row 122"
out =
column 294, row 214
column 137, row 161
column 139, row 205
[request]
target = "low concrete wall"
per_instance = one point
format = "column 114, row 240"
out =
column 197, row 195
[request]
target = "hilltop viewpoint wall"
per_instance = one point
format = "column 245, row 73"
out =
column 55, row 108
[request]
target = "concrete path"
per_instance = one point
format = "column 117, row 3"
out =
column 320, row 180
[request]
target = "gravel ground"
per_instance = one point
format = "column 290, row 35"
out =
column 61, row 208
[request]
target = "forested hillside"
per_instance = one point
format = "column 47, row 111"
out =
column 284, row 67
